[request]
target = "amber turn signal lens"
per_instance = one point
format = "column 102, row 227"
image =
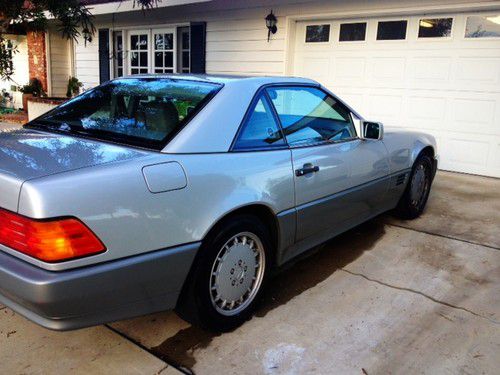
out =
column 48, row 240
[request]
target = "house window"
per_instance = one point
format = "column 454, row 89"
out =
column 350, row 32
column 435, row 27
column 483, row 27
column 118, row 53
column 184, row 55
column 391, row 30
column 317, row 33
column 164, row 51
column 139, row 59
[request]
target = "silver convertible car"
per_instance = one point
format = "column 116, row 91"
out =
column 151, row 193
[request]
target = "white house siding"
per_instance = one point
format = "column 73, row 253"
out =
column 60, row 62
column 21, row 75
column 86, row 62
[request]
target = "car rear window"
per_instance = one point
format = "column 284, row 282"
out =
column 145, row 112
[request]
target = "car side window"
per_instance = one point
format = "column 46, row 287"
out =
column 310, row 116
column 260, row 129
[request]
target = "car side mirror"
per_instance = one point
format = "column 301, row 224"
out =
column 372, row 130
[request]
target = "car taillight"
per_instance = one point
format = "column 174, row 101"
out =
column 48, row 240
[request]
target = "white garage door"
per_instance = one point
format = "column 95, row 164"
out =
column 439, row 74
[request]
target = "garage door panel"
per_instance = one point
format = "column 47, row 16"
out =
column 385, row 107
column 426, row 108
column 467, row 111
column 389, row 69
column 349, row 70
column 316, row 68
column 432, row 69
column 465, row 151
column 479, row 70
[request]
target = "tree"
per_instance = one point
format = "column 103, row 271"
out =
column 74, row 19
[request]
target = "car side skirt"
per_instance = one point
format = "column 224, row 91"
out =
column 354, row 206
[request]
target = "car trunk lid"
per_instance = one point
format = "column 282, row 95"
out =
column 27, row 154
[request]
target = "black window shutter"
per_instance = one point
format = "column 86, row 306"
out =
column 104, row 71
column 198, row 31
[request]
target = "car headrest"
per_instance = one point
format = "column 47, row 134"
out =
column 161, row 116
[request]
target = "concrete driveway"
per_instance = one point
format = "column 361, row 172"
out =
column 387, row 297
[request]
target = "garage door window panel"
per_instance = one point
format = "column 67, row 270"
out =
column 483, row 26
column 435, row 27
column 392, row 30
column 352, row 32
column 309, row 116
column 318, row 33
column 260, row 129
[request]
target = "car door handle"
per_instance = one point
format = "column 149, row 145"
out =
column 306, row 169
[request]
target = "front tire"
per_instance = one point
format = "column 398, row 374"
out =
column 412, row 203
column 228, row 276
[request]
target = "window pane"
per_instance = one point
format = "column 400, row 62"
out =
column 143, row 59
column 119, row 42
column 134, row 42
column 159, row 43
column 134, row 71
column 391, row 30
column 317, row 33
column 117, row 53
column 134, row 59
column 483, row 27
column 130, row 110
column 185, row 39
column 158, row 59
column 169, row 41
column 185, row 59
column 435, row 27
column 308, row 115
column 260, row 130
column 143, row 42
column 352, row 31
column 169, row 59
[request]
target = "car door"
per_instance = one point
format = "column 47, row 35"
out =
column 336, row 173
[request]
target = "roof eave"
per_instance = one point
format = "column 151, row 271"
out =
column 128, row 5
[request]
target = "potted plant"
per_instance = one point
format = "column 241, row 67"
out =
column 6, row 99
column 74, row 86
column 33, row 88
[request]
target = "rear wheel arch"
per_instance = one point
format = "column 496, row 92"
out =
column 261, row 212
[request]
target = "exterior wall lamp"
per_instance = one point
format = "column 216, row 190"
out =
column 271, row 22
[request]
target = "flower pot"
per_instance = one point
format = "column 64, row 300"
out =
column 25, row 101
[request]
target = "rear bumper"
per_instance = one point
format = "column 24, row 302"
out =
column 97, row 294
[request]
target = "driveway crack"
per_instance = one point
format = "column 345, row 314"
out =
column 405, row 289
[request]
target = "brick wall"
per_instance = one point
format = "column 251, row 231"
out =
column 37, row 57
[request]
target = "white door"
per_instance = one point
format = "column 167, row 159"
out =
column 437, row 74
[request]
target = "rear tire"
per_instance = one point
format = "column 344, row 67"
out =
column 412, row 203
column 228, row 276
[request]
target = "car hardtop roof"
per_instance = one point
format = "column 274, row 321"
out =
column 227, row 79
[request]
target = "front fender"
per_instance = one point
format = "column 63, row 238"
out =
column 403, row 147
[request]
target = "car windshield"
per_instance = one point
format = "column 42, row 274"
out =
column 145, row 112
